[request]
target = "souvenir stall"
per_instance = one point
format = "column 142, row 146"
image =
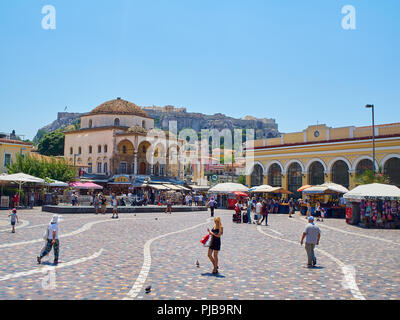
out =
column 274, row 193
column 374, row 206
column 223, row 191
column 329, row 195
column 235, row 197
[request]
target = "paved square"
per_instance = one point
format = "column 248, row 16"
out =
column 104, row 258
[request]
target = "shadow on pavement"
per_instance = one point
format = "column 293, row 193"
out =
column 209, row 274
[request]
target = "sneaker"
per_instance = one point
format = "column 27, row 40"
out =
column 314, row 262
column 55, row 262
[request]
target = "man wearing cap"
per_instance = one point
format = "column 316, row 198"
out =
column 312, row 234
column 52, row 240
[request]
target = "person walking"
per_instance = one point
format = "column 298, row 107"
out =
column 169, row 206
column 264, row 212
column 52, row 241
column 103, row 204
column 291, row 207
column 308, row 214
column 114, row 201
column 96, row 203
column 249, row 208
column 14, row 218
column 215, row 246
column 258, row 212
column 318, row 210
column 212, row 204
column 312, row 234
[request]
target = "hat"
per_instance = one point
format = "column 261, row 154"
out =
column 14, row 210
column 54, row 219
column 310, row 218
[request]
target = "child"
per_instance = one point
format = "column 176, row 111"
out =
column 14, row 218
column 322, row 214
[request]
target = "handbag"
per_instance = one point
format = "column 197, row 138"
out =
column 206, row 241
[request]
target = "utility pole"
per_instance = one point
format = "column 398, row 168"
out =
column 373, row 135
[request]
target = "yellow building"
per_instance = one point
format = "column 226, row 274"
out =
column 9, row 149
column 319, row 154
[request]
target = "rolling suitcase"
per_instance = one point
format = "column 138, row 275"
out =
column 245, row 218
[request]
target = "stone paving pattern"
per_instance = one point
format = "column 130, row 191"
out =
column 252, row 265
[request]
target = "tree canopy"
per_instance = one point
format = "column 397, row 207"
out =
column 368, row 177
column 52, row 144
column 57, row 169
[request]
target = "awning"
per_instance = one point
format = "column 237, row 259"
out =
column 158, row 186
column 171, row 186
column 302, row 188
column 182, row 187
column 240, row 194
column 373, row 190
column 228, row 188
column 199, row 188
column 21, row 178
column 86, row 186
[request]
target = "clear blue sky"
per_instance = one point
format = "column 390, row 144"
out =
column 284, row 59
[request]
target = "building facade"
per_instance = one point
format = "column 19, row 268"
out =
column 10, row 148
column 114, row 139
column 320, row 154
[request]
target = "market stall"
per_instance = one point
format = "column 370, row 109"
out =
column 22, row 180
column 374, row 205
column 222, row 192
column 329, row 195
column 274, row 193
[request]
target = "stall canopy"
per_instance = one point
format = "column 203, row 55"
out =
column 86, row 186
column 20, row 179
column 172, row 187
column 326, row 188
column 302, row 188
column 158, row 187
column 262, row 188
column 373, row 190
column 55, row 183
column 240, row 194
column 228, row 188
column 199, row 188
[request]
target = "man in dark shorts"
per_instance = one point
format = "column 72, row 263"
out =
column 14, row 218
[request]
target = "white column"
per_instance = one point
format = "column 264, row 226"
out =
column 135, row 164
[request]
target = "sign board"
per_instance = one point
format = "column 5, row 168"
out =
column 121, row 179
column 214, row 177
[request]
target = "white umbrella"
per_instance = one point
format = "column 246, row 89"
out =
column 55, row 183
column 228, row 188
column 335, row 187
column 20, row 179
column 373, row 190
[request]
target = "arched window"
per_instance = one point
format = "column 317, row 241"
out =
column 98, row 149
column 392, row 169
column 106, row 168
column 90, row 123
column 275, row 175
column 340, row 173
column 363, row 166
column 90, row 149
column 294, row 178
column 105, row 149
column 71, row 150
column 257, row 176
column 316, row 173
column 116, row 122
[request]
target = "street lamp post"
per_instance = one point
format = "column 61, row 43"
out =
column 373, row 135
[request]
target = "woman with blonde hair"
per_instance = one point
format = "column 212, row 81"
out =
column 215, row 246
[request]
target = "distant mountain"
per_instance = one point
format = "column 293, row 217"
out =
column 264, row 128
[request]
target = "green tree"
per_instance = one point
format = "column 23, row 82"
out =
column 242, row 180
column 52, row 144
column 57, row 169
column 368, row 177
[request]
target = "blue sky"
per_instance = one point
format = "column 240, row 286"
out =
column 284, row 59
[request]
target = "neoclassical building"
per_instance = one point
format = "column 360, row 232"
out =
column 319, row 154
column 114, row 139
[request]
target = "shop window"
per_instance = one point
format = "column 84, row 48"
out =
column 340, row 173
column 391, row 168
column 316, row 173
column 257, row 176
column 275, row 175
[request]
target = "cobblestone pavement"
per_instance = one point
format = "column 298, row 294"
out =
column 104, row 258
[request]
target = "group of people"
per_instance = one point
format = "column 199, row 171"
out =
column 319, row 212
column 259, row 208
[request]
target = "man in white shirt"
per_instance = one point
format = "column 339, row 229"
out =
column 258, row 211
column 52, row 240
